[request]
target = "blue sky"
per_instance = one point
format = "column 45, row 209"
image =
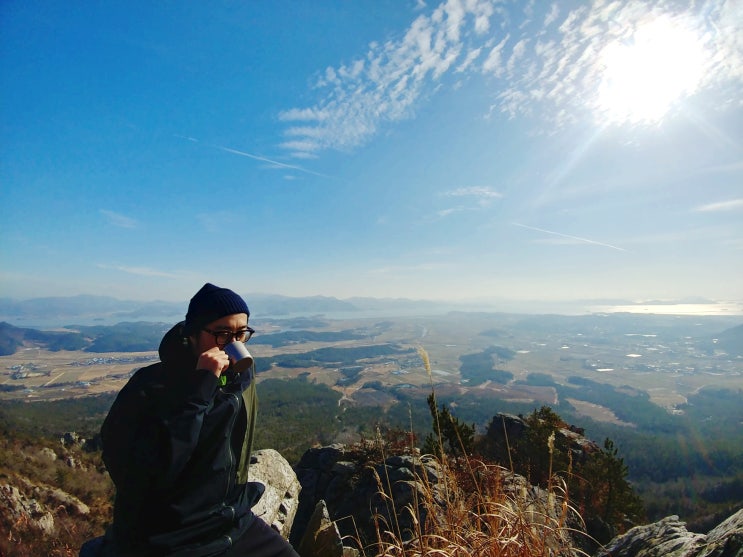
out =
column 465, row 149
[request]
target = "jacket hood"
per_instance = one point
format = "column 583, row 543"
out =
column 175, row 348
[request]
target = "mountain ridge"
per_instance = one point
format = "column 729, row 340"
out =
column 85, row 309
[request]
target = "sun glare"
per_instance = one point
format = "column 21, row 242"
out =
column 643, row 76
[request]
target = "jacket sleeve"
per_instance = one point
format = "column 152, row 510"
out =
column 182, row 423
column 151, row 431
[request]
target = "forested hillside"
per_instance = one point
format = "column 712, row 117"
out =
column 123, row 337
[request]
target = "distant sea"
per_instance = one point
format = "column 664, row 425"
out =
column 714, row 308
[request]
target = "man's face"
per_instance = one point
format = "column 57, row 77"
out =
column 203, row 340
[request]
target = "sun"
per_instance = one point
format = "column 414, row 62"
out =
column 642, row 77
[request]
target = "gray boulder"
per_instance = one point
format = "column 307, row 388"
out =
column 350, row 486
column 670, row 538
column 24, row 509
column 48, row 454
column 321, row 537
column 726, row 539
column 279, row 503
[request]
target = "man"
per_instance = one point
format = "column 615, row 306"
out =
column 177, row 444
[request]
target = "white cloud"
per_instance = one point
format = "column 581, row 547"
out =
column 482, row 196
column 117, row 219
column 303, row 115
column 306, row 146
column 550, row 68
column 140, row 271
column 449, row 211
column 494, row 62
column 552, row 15
column 385, row 84
column 730, row 205
column 516, row 55
column 481, row 192
column 468, row 61
column 406, row 269
column 566, row 61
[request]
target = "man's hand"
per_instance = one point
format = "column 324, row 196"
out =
column 214, row 360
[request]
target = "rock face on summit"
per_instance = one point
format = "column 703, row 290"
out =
column 347, row 490
column 670, row 538
column 351, row 488
column 349, row 484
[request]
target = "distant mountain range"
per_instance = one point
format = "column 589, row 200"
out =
column 54, row 312
column 84, row 308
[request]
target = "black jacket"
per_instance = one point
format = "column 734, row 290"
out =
column 177, row 446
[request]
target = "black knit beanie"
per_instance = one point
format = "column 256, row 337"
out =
column 209, row 304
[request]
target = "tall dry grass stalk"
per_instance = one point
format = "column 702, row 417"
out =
column 427, row 366
column 498, row 519
column 474, row 509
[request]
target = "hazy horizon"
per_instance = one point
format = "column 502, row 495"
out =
column 58, row 310
column 444, row 150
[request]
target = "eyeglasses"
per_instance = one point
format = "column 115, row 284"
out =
column 223, row 338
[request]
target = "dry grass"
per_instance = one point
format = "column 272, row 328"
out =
column 475, row 509
column 25, row 466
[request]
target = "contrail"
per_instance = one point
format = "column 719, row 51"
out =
column 586, row 240
column 255, row 157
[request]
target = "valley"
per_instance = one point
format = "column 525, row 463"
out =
column 668, row 390
column 516, row 358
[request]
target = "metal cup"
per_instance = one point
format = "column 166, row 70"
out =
column 240, row 358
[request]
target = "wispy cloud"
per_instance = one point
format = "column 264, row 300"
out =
column 730, row 205
column 549, row 66
column 117, row 219
column 478, row 197
column 483, row 194
column 140, row 271
column 384, row 85
column 272, row 163
column 569, row 237
column 406, row 269
column 450, row 211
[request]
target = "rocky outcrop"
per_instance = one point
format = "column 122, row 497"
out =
column 341, row 495
column 35, row 505
column 361, row 494
column 507, row 429
column 322, row 537
column 670, row 538
column 55, row 498
column 23, row 508
column 726, row 539
column 351, row 489
column 665, row 538
column 279, row 503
